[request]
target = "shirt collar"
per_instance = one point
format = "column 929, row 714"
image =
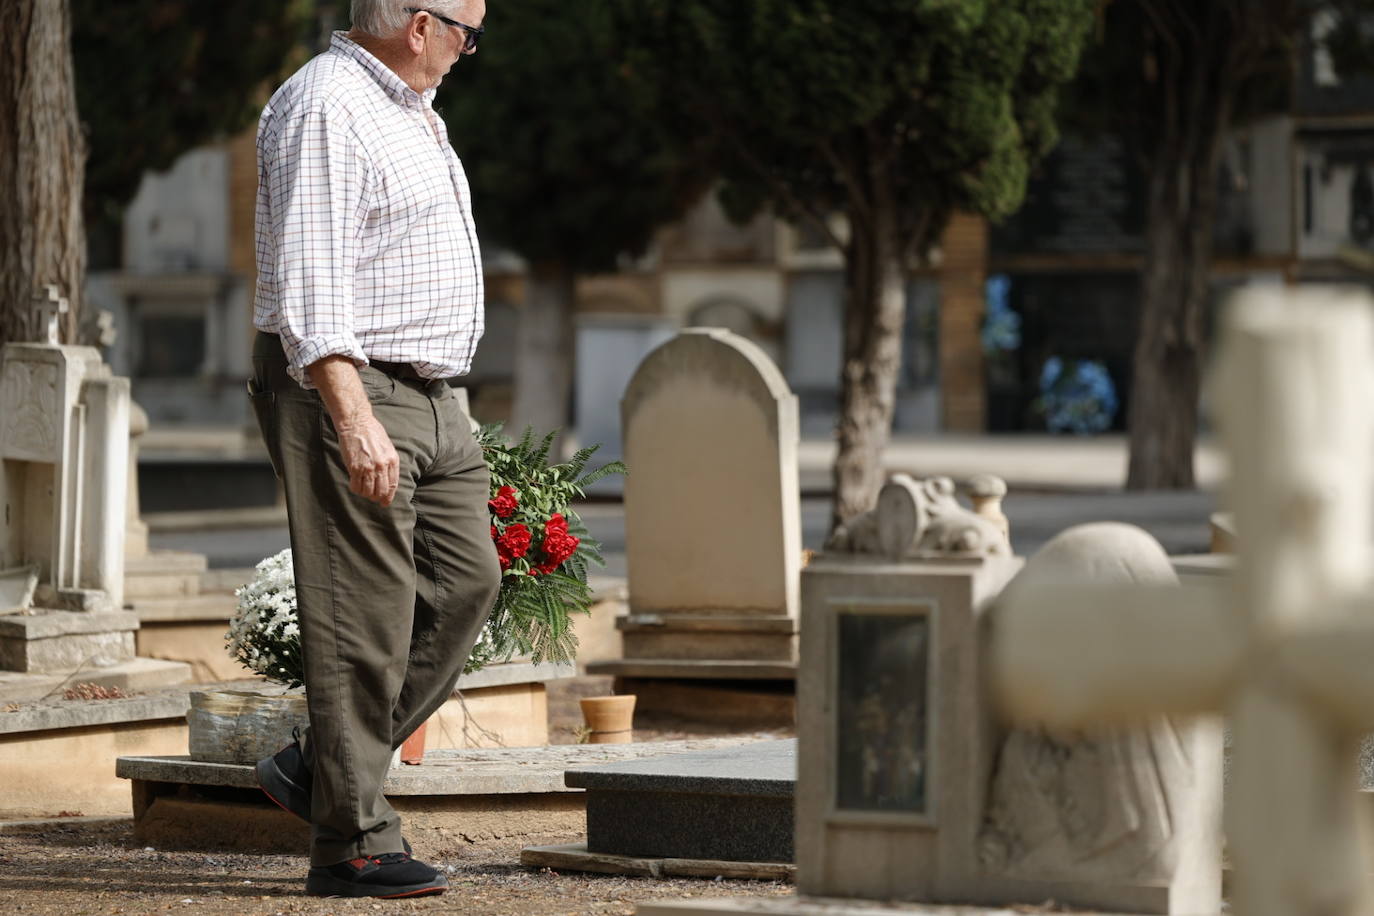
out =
column 394, row 86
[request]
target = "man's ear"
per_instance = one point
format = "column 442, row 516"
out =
column 418, row 31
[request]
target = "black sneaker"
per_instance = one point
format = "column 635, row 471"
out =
column 286, row 779
column 390, row 875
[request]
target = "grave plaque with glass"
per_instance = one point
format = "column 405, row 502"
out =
column 892, row 735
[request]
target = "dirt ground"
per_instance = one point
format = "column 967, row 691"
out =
column 94, row 868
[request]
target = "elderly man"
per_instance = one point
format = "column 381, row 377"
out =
column 369, row 296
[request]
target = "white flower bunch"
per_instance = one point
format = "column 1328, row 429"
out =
column 265, row 634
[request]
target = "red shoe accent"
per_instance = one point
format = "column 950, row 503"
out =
column 427, row 892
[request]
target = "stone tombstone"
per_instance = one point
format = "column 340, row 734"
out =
column 64, row 441
column 894, row 737
column 1122, row 818
column 712, row 505
column 1284, row 650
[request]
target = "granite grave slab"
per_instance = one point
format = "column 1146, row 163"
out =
column 731, row 804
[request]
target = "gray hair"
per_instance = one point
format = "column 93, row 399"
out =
column 384, row 18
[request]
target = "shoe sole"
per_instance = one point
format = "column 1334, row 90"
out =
column 323, row 884
column 284, row 793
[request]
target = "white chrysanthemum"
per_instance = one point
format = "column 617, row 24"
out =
column 264, row 635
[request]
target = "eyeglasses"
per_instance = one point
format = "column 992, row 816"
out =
column 473, row 32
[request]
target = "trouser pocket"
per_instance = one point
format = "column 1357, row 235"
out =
column 265, row 409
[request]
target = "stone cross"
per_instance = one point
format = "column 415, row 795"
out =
column 50, row 309
column 1288, row 654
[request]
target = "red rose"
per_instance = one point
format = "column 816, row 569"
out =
column 504, row 503
column 515, row 543
column 558, row 545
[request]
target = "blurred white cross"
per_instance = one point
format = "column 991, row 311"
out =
column 1288, row 654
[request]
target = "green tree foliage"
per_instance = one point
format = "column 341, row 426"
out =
column 155, row 78
column 894, row 113
column 562, row 172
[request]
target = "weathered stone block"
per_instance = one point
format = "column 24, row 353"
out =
column 66, row 653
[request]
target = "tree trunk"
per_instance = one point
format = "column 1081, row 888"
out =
column 1205, row 54
column 875, row 309
column 42, row 167
column 545, row 352
column 1169, row 346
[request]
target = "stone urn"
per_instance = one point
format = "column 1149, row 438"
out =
column 610, row 719
column 243, row 726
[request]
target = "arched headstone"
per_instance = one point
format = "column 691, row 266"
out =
column 712, row 510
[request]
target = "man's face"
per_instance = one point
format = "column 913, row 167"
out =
column 446, row 43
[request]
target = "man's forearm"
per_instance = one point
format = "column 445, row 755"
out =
column 364, row 445
column 337, row 379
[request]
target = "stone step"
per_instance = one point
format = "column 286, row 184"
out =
column 164, row 574
column 729, row 804
column 225, row 580
column 161, row 562
column 726, row 637
column 55, row 642
column 44, row 624
column 160, row 585
column 697, row 669
column 137, row 674
column 695, row 645
column 217, row 607
column 706, row 623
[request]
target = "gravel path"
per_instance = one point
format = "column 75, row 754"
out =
column 94, row 868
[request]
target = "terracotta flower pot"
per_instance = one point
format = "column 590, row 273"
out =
column 610, row 719
column 413, row 748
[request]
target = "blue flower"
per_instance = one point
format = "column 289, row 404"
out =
column 1001, row 326
column 1078, row 398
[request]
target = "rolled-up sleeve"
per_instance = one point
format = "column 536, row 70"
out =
column 319, row 185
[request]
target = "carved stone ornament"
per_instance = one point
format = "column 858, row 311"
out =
column 921, row 519
column 29, row 411
column 1094, row 804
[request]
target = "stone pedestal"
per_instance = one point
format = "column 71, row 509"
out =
column 64, row 441
column 64, row 476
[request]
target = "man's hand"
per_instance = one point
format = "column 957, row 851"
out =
column 370, row 458
column 368, row 455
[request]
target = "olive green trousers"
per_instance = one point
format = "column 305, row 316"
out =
column 391, row 600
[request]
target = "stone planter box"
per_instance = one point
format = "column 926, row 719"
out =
column 243, row 726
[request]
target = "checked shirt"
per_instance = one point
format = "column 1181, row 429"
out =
column 365, row 242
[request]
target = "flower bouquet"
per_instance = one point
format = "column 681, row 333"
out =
column 542, row 546
column 541, row 543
